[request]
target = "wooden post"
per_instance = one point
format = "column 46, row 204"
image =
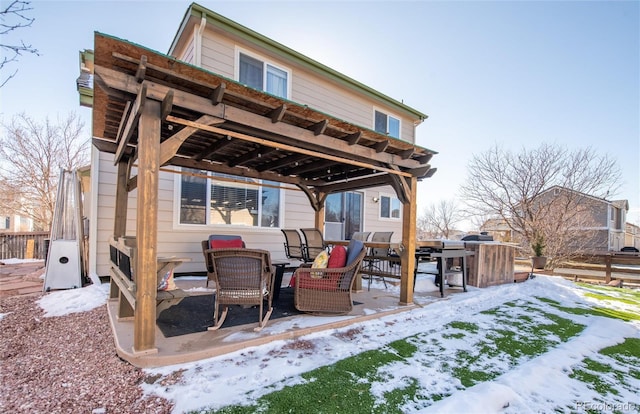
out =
column 607, row 263
column 408, row 253
column 319, row 219
column 144, row 330
column 122, row 198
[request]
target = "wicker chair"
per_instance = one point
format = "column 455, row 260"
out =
column 217, row 241
column 313, row 243
column 326, row 290
column 242, row 277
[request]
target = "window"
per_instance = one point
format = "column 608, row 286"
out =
column 386, row 124
column 389, row 207
column 210, row 198
column 264, row 76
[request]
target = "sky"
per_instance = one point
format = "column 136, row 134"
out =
column 528, row 384
column 507, row 73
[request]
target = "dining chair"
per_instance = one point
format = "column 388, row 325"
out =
column 361, row 235
column 313, row 243
column 293, row 246
column 377, row 255
column 242, row 277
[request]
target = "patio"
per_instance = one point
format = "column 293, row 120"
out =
column 376, row 303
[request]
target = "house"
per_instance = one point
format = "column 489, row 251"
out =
column 632, row 235
column 257, row 139
column 600, row 225
column 194, row 203
column 15, row 223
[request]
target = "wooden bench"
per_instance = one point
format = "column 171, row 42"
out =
column 122, row 271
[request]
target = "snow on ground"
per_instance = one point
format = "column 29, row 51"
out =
column 540, row 384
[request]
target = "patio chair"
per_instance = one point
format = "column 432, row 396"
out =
column 293, row 246
column 218, row 241
column 377, row 256
column 313, row 243
column 242, row 277
column 361, row 235
column 328, row 290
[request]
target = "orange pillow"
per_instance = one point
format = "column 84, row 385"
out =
column 338, row 257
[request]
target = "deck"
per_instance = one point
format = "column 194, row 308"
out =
column 372, row 304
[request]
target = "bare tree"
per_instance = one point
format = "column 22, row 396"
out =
column 540, row 193
column 31, row 157
column 439, row 220
column 14, row 17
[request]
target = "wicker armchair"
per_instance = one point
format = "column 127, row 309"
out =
column 217, row 241
column 242, row 277
column 326, row 290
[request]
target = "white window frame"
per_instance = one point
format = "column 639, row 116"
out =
column 265, row 61
column 177, row 225
column 388, row 115
column 391, row 198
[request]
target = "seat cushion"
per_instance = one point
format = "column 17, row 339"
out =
column 354, row 249
column 338, row 257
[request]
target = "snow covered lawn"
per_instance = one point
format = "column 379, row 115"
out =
column 541, row 346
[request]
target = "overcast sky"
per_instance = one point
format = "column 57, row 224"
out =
column 509, row 73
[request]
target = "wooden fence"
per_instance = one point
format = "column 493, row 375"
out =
column 602, row 267
column 26, row 245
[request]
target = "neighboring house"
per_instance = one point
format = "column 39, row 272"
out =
column 632, row 235
column 194, row 204
column 15, row 223
column 498, row 229
column 603, row 222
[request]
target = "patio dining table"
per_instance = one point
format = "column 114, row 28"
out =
column 425, row 251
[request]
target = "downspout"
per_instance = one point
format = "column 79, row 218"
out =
column 198, row 41
column 93, row 214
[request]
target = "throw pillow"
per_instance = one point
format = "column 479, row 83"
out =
column 354, row 249
column 338, row 257
column 225, row 244
column 167, row 282
column 320, row 262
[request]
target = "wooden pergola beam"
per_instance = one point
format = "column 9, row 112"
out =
column 142, row 69
column 297, row 136
column 170, row 147
column 278, row 113
column 286, row 147
column 132, row 120
column 256, row 153
column 218, row 93
column 320, row 127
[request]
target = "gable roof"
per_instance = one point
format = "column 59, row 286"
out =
column 196, row 12
column 622, row 204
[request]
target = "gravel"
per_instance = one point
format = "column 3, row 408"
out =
column 66, row 364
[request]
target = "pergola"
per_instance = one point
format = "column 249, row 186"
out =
column 151, row 110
